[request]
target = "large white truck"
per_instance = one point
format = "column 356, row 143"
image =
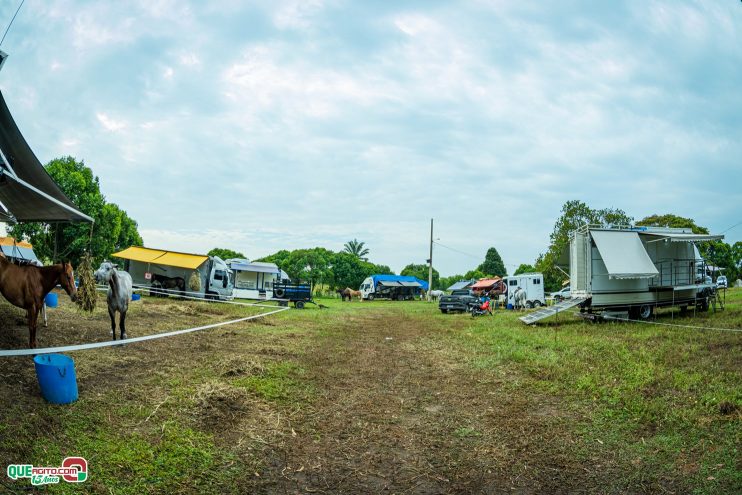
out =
column 171, row 271
column 532, row 284
column 395, row 287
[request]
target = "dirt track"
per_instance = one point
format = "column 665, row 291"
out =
column 360, row 398
column 400, row 412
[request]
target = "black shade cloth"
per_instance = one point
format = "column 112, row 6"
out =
column 26, row 189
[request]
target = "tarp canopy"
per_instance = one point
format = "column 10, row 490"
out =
column 160, row 257
column 136, row 253
column 485, row 283
column 624, row 254
column 181, row 260
column 410, row 284
column 17, row 249
column 27, row 191
column 398, row 278
column 462, row 284
column 684, row 237
column 390, row 283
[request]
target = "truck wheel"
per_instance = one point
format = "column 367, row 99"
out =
column 645, row 311
column 370, row 297
column 444, row 311
column 279, row 293
column 536, row 304
column 704, row 306
column 299, row 304
column 529, row 305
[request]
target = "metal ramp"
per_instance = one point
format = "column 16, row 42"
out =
column 531, row 318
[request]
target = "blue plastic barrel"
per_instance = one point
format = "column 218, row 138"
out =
column 57, row 380
column 136, row 297
column 51, row 300
column 510, row 306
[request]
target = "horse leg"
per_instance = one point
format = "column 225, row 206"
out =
column 33, row 315
column 112, row 314
column 122, row 324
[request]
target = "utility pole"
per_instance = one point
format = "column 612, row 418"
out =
column 430, row 262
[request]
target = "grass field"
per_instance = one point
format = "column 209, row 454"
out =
column 384, row 397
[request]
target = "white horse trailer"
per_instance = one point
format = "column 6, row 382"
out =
column 532, row 284
column 637, row 269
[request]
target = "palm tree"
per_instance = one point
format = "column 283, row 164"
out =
column 355, row 247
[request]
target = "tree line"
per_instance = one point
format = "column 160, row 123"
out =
column 113, row 230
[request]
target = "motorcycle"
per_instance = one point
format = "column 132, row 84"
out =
column 480, row 308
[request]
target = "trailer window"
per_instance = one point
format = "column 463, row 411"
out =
column 218, row 274
column 536, row 281
column 513, row 282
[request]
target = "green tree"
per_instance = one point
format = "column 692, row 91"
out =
column 524, row 268
column 356, row 248
column 474, row 275
column 493, row 265
column 574, row 214
column 113, row 230
column 226, row 254
column 670, row 220
column 421, row 272
column 348, row 270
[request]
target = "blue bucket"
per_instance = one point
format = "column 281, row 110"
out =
column 57, row 380
column 510, row 306
column 136, row 297
column 51, row 300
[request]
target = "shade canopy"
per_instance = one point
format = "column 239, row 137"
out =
column 462, row 284
column 27, row 192
column 624, row 254
column 485, row 283
column 19, row 250
column 255, row 267
column 160, row 257
column 679, row 237
column 390, row 283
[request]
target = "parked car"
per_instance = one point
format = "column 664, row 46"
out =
column 722, row 282
column 560, row 295
column 457, row 300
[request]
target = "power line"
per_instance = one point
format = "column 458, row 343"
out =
column 11, row 22
column 457, row 250
column 730, row 228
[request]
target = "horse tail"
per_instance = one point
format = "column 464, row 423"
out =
column 113, row 282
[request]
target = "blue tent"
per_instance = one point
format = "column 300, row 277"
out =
column 398, row 278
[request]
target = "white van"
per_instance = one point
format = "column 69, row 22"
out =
column 532, row 283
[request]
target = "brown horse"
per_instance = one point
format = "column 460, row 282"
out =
column 26, row 287
column 350, row 293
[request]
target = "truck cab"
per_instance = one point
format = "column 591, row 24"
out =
column 220, row 280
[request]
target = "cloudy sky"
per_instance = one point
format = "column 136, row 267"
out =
column 266, row 125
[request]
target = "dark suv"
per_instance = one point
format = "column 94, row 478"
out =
column 457, row 300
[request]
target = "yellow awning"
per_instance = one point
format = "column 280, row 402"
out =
column 181, row 260
column 139, row 254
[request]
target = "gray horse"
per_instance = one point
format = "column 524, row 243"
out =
column 119, row 294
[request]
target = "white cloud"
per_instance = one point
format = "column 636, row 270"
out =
column 109, row 123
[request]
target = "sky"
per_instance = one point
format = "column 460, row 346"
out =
column 286, row 124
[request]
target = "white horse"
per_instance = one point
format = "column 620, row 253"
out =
column 119, row 294
column 519, row 298
column 435, row 294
